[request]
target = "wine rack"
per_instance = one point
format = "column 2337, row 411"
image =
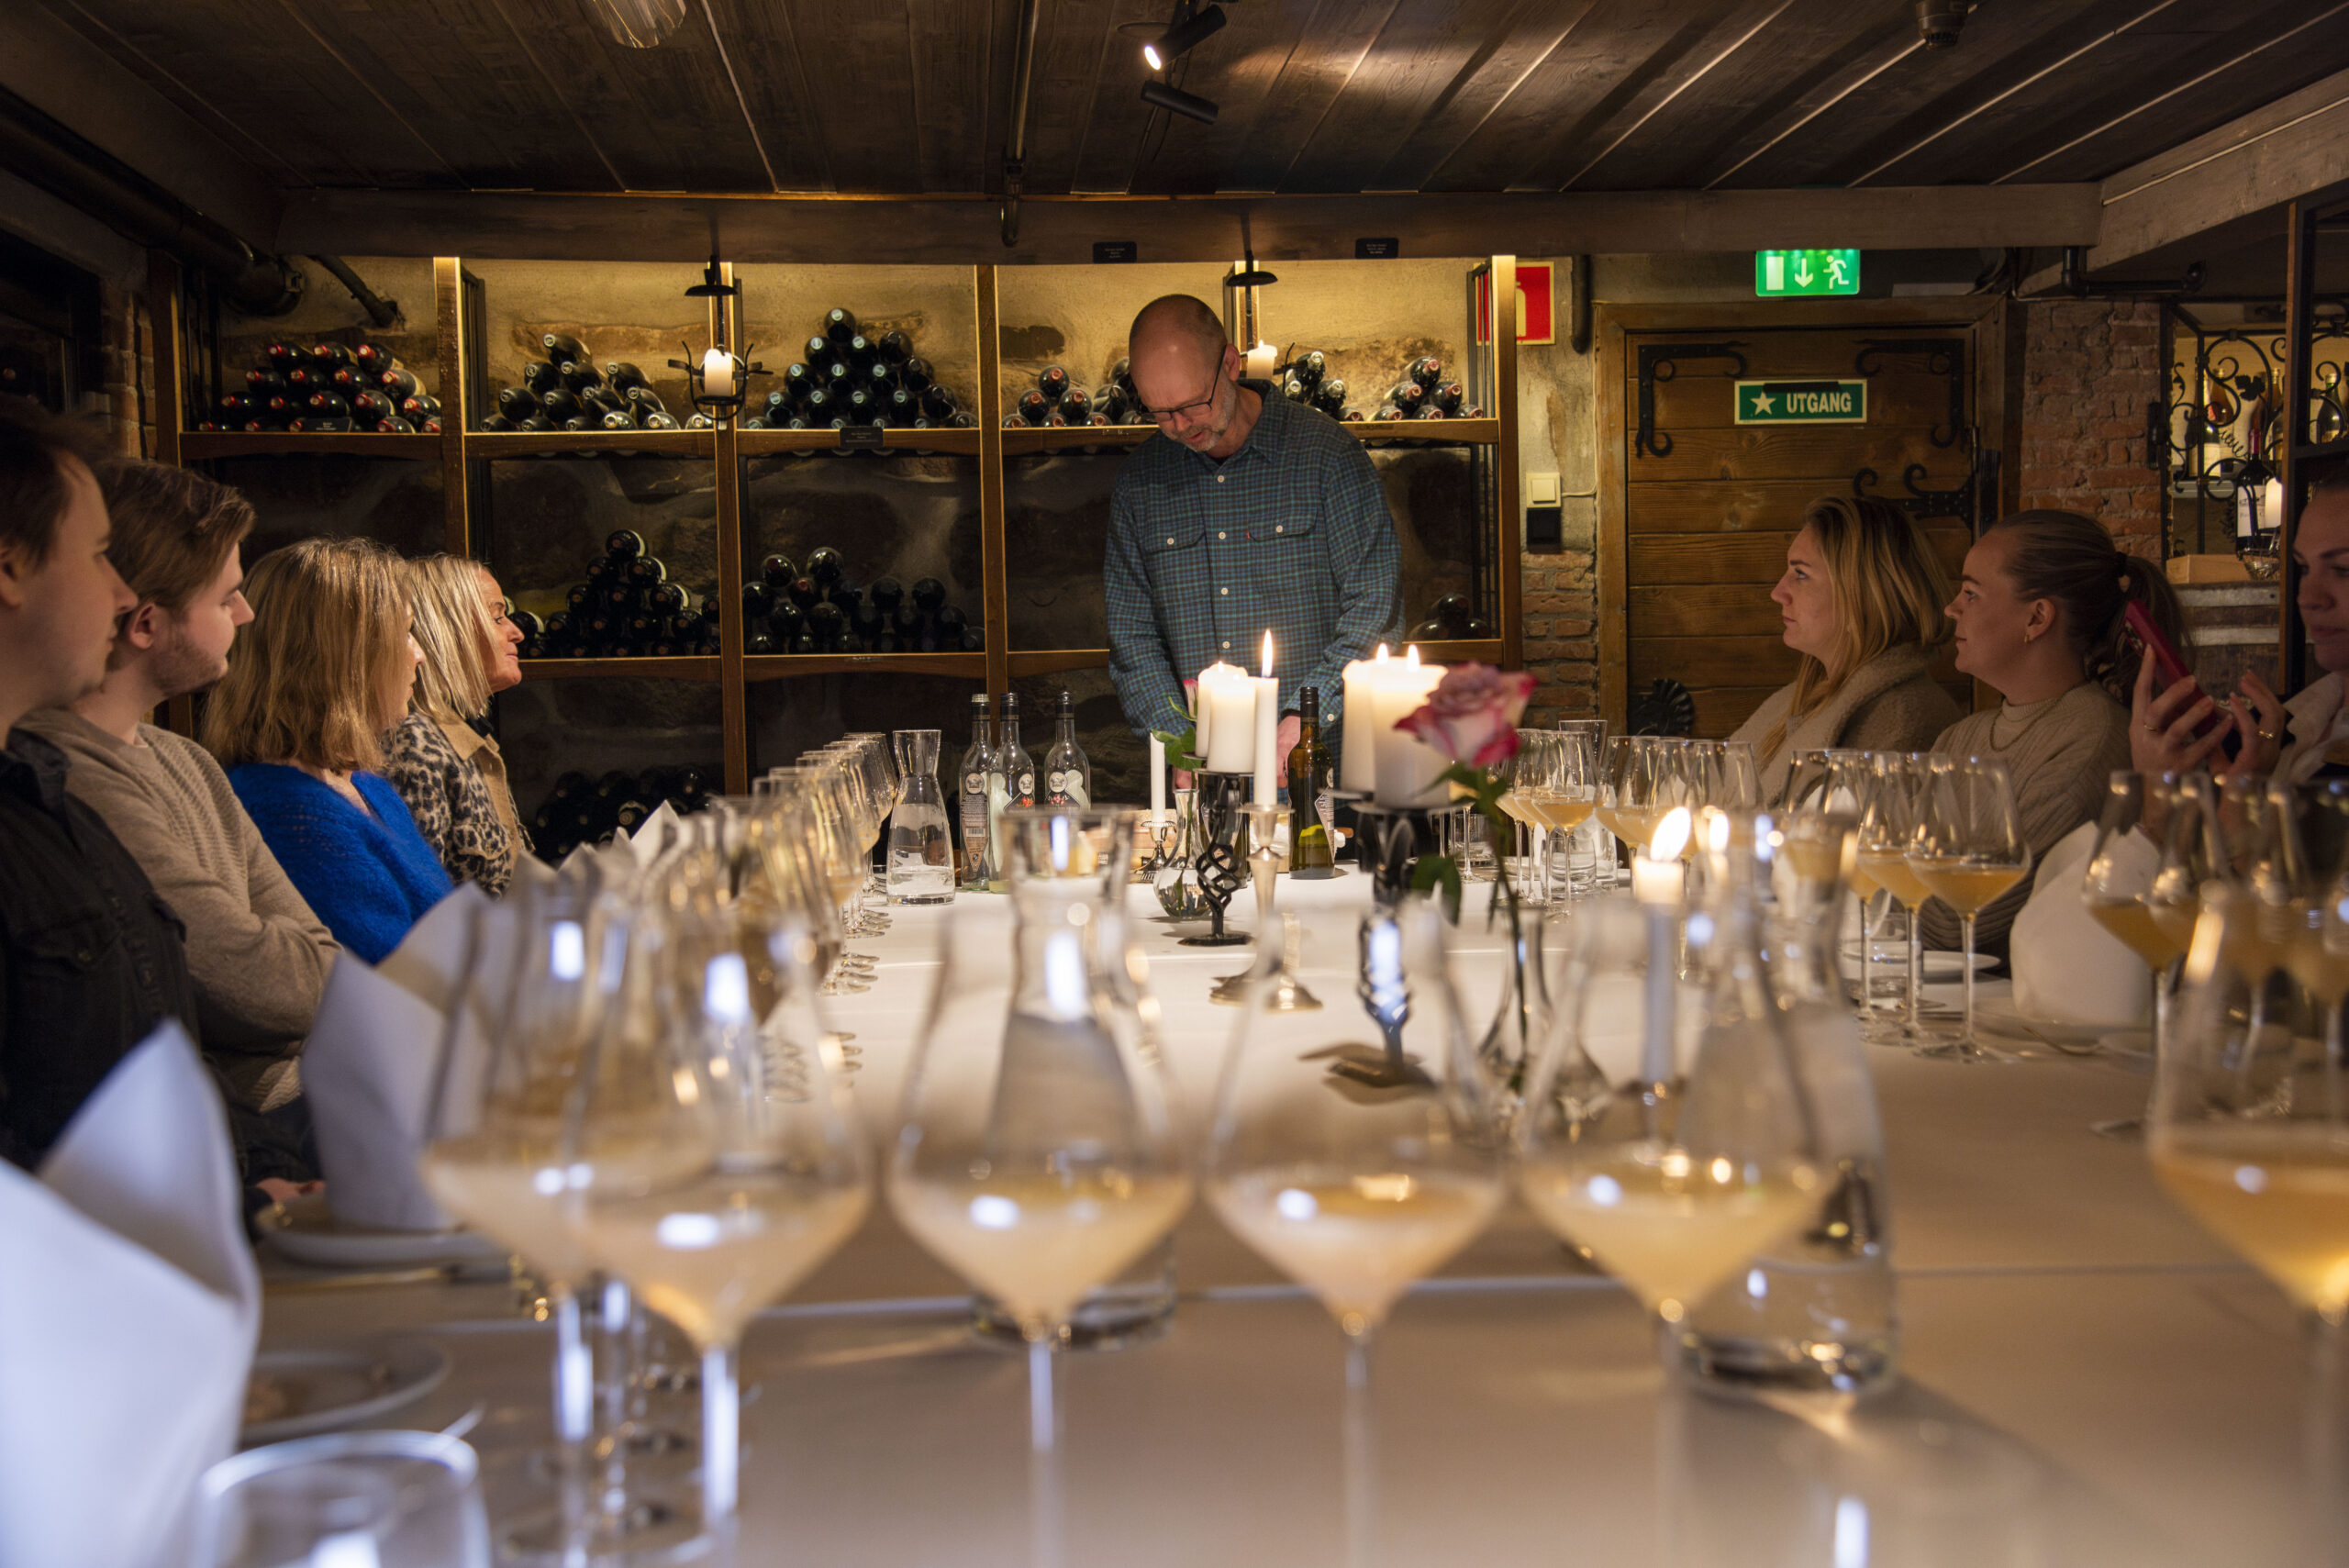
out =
column 987, row 460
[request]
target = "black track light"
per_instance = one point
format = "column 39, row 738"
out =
column 1183, row 37
column 1177, row 101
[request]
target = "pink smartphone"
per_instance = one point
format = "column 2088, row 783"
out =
column 2169, row 668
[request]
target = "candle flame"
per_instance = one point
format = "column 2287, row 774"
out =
column 1411, row 654
column 1380, row 657
column 1268, row 655
column 1670, row 835
column 1715, row 830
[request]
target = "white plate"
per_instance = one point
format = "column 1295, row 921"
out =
column 1937, row 964
column 1998, row 1013
column 307, row 1231
column 294, row 1393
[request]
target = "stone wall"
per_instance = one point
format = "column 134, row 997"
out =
column 2090, row 368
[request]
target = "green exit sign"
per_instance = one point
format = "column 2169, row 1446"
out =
column 1778, row 273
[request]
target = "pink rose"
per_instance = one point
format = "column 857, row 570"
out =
column 1472, row 714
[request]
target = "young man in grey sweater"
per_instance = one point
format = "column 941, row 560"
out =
column 258, row 957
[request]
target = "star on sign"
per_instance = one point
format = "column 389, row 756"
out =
column 1762, row 400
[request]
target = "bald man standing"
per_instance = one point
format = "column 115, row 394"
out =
column 1249, row 514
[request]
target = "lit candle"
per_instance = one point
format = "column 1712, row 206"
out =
column 1358, row 755
column 1409, row 770
column 718, row 374
column 1261, row 361
column 1656, row 873
column 1228, row 718
column 1268, row 731
column 1157, row 779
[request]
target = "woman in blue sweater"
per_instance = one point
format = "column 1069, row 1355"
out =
column 313, row 683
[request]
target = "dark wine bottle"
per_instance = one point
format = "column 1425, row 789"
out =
column 825, row 566
column 327, row 405
column 601, row 400
column 399, row 381
column 846, row 595
column 282, row 357
column 861, row 404
column 929, row 594
column 561, row 347
column 619, row 419
column 1331, row 396
column 262, row 383
column 420, row 405
column 821, row 407
column 394, row 425
column 541, row 377
column 623, row 544
column 904, row 408
column 527, row 624
column 951, row 624
column 662, row 421
column 1430, row 411
column 1447, row 397
column 838, row 376
column 372, row 406
column 1450, row 610
column 1076, row 406
column 579, row 375
column 497, row 423
column 306, row 379
column 776, row 572
column 1425, row 372
column 375, row 356
column 1034, row 407
column 1406, row 396
column 787, row 619
column 1051, row 381
column 1311, row 366
column 840, row 324
column 646, row 402
column 348, row 379
column 620, row 375
column 558, row 403
column 1294, row 389
column 330, row 357
column 798, row 381
column 827, row 625
column 860, row 353
column 819, row 352
column 937, row 403
column 804, row 592
column 914, row 374
column 758, row 601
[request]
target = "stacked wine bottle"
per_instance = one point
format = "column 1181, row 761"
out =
column 564, row 391
column 1425, row 393
column 579, row 810
column 1057, row 401
column 788, row 609
column 626, row 608
column 844, row 377
column 1452, row 618
column 328, row 388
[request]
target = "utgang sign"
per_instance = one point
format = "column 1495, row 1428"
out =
column 1802, row 402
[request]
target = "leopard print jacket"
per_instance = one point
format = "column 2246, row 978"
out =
column 446, row 795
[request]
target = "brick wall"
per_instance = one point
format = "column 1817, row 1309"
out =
column 1561, row 609
column 2089, row 369
column 124, row 397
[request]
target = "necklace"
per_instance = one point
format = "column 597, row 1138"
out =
column 2046, row 705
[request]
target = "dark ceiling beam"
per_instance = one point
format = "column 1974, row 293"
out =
column 76, row 84
column 962, row 231
column 2223, row 190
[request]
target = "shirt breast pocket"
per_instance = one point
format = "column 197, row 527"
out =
column 1171, row 556
column 54, row 956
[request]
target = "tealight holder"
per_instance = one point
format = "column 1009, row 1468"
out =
column 1155, row 838
column 1219, row 799
column 1392, row 839
column 1263, row 871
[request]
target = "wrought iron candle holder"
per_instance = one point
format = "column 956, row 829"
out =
column 1219, row 799
column 1263, row 869
column 1391, row 839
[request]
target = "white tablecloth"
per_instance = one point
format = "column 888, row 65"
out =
column 2089, row 1378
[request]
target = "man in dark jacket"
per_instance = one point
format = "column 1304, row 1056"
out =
column 91, row 960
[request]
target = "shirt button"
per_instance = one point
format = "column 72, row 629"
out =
column 1278, row 528
column 1225, row 592
column 1219, row 535
column 1227, row 645
column 1170, row 542
column 1219, row 479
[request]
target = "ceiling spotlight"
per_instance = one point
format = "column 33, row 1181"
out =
column 1183, row 36
column 1940, row 21
column 1177, row 101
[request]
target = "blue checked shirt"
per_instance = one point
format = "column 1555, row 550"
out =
column 1290, row 535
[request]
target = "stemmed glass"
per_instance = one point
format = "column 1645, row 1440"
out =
column 2118, row 884
column 1890, row 790
column 1357, row 1166
column 1646, row 776
column 2249, row 1133
column 1037, row 1153
column 712, row 1158
column 839, row 841
column 1566, row 792
column 1535, row 779
column 1968, row 849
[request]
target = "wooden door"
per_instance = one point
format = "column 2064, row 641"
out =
column 1704, row 507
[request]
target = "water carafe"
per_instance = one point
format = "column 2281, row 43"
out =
column 922, row 849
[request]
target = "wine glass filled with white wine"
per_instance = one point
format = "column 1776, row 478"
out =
column 1967, row 850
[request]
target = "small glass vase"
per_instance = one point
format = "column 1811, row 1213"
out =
column 1177, row 880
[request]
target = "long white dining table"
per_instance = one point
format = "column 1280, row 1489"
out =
column 2087, row 1378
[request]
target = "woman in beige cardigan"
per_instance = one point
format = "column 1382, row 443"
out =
column 1862, row 603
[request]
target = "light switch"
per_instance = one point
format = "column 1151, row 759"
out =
column 1542, row 490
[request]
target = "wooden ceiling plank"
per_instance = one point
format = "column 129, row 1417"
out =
column 765, row 51
column 1670, row 87
column 2243, row 48
column 370, row 80
column 266, row 154
column 1344, row 34
column 1486, row 81
column 1533, row 135
column 1117, row 121
column 1071, row 52
column 864, row 107
column 950, row 50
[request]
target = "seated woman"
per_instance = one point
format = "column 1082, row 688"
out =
column 1862, row 603
column 2040, row 615
column 318, row 678
column 451, row 776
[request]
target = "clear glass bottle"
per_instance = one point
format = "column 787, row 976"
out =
column 1815, row 1314
column 922, row 849
column 1019, row 767
column 973, row 816
column 1068, row 777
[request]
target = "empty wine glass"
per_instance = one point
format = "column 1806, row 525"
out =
column 377, row 1499
column 1357, row 1157
column 1037, row 1153
column 1968, row 849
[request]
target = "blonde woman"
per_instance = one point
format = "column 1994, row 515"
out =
column 451, row 776
column 321, row 675
column 1860, row 601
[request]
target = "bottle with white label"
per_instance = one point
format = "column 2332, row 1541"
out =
column 1019, row 767
column 971, row 801
column 1068, row 777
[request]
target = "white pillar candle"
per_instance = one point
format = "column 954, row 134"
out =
column 1357, row 754
column 1656, row 873
column 1268, row 731
column 1228, row 718
column 1157, row 778
column 1409, row 770
column 718, row 374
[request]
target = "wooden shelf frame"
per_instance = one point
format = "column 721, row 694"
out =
column 462, row 454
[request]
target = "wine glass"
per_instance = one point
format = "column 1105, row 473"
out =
column 1814, row 774
column 1967, row 850
column 1645, row 778
column 1890, row 792
column 2249, row 1133
column 1674, row 1184
column 1357, row 1157
column 387, row 1499
column 2119, row 882
column 1535, row 779
column 1037, row 1153
column 836, row 843
column 714, row 1159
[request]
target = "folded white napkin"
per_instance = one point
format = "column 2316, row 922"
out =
column 128, row 1309
column 430, row 957
column 2068, row 969
column 368, row 1071
column 652, row 836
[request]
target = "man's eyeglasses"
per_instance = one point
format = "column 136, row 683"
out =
column 1168, row 415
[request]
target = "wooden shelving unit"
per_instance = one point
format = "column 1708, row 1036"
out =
column 462, row 453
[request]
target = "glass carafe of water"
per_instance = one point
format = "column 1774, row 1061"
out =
column 922, row 849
